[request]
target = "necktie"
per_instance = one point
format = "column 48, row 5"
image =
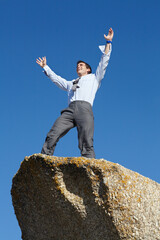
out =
column 75, row 84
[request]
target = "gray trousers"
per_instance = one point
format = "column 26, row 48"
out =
column 79, row 114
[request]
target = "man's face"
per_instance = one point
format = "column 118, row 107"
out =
column 82, row 69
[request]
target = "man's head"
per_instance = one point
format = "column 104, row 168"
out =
column 83, row 68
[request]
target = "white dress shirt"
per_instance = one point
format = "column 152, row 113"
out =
column 88, row 84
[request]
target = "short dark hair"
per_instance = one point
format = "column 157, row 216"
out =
column 87, row 65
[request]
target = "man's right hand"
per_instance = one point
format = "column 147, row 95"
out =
column 41, row 62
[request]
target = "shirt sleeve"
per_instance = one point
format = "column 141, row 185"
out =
column 101, row 69
column 59, row 81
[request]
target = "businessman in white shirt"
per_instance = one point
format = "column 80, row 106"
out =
column 81, row 94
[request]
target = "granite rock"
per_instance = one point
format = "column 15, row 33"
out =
column 57, row 198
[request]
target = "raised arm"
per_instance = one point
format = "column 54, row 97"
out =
column 106, row 50
column 59, row 81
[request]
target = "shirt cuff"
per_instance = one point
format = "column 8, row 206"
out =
column 102, row 48
column 46, row 68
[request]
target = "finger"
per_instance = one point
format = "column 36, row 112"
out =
column 111, row 30
column 40, row 59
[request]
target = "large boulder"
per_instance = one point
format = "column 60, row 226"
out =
column 57, row 198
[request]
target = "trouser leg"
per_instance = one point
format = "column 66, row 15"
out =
column 85, row 126
column 61, row 126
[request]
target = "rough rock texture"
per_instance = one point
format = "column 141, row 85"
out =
column 84, row 199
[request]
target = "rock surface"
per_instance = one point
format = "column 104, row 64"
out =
column 84, row 199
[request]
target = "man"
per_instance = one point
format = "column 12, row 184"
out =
column 81, row 94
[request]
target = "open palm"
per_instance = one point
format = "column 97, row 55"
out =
column 41, row 61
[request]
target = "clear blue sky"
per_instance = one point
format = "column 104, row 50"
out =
column 126, row 108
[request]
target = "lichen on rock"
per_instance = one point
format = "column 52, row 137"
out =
column 57, row 198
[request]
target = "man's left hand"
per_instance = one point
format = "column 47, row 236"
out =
column 109, row 37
